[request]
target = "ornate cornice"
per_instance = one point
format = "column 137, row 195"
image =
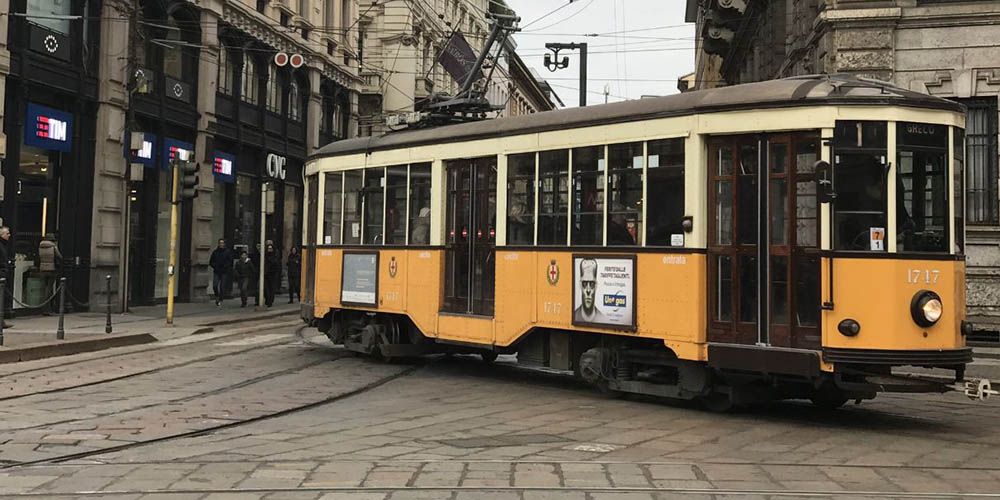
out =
column 252, row 25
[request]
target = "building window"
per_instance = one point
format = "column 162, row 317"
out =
column 304, row 32
column 251, row 83
column 981, row 160
column 261, row 5
column 273, row 102
column 54, row 14
column 284, row 18
column 294, row 101
column 173, row 50
column 226, row 70
column 304, row 8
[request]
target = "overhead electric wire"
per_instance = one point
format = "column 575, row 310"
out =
column 557, row 9
column 567, row 18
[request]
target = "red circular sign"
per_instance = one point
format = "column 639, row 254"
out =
column 280, row 59
column 296, row 60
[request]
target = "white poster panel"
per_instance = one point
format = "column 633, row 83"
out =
column 360, row 279
column 604, row 291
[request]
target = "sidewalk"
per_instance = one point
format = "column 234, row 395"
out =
column 35, row 337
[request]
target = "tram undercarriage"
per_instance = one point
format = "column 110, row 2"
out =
column 619, row 365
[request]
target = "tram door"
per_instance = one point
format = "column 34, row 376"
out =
column 470, row 238
column 763, row 250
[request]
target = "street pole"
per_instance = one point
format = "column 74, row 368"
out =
column 552, row 62
column 583, row 74
column 263, row 247
column 172, row 262
column 131, row 67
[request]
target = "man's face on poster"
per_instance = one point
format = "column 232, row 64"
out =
column 588, row 283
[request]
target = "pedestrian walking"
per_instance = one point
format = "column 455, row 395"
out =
column 244, row 271
column 221, row 262
column 49, row 265
column 272, row 274
column 294, row 266
column 5, row 253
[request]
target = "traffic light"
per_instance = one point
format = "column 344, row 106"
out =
column 188, row 188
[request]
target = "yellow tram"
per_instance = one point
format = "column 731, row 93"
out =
column 796, row 238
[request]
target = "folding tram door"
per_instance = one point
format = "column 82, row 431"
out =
column 763, row 247
column 470, row 238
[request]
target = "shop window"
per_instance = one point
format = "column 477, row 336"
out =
column 420, row 204
column 625, row 194
column 553, row 197
column 922, row 187
column 247, row 212
column 333, row 200
column 352, row 206
column 664, row 191
column 292, row 228
column 521, row 199
column 273, row 91
column 395, row 205
column 859, row 179
column 588, row 196
column 251, row 83
column 52, row 14
column 374, row 206
column 981, row 158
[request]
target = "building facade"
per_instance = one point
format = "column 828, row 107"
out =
column 945, row 48
column 99, row 95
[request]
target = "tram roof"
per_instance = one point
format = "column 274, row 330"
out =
column 811, row 90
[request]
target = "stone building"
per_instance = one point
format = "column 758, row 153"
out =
column 946, row 48
column 196, row 76
column 398, row 50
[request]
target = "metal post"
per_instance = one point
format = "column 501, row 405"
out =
column 107, row 290
column 263, row 247
column 61, row 330
column 172, row 263
column 3, row 303
column 583, row 74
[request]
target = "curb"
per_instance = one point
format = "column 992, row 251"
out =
column 70, row 347
column 992, row 353
column 225, row 322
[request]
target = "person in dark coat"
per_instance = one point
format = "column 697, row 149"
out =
column 221, row 262
column 49, row 266
column 272, row 274
column 294, row 267
column 244, row 272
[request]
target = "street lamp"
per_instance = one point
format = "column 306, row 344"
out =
column 552, row 62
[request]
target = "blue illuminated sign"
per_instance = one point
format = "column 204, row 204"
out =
column 172, row 148
column 48, row 128
column 224, row 167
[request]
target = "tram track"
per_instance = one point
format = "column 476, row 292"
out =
column 220, row 427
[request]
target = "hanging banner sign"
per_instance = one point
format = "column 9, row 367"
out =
column 604, row 292
column 48, row 128
column 172, row 149
column 458, row 58
column 224, row 167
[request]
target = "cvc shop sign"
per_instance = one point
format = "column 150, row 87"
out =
column 48, row 128
column 275, row 166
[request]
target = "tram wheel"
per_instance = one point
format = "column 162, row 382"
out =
column 489, row 356
column 717, row 402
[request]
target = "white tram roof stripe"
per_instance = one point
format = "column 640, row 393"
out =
column 813, row 90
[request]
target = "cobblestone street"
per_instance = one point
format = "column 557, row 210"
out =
column 270, row 414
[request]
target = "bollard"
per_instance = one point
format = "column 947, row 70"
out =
column 3, row 301
column 107, row 291
column 61, row 330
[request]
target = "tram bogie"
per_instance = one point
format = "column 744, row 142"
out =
column 792, row 239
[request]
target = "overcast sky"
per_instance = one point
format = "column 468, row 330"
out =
column 643, row 47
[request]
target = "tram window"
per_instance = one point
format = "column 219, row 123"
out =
column 724, row 289
column 420, row 204
column 664, row 191
column 859, row 178
column 748, row 288
column 352, row 207
column 553, row 198
column 806, row 210
column 724, row 212
column 807, row 272
column 922, row 188
column 625, row 194
column 333, row 198
column 588, row 196
column 779, row 289
column 958, row 185
column 395, row 205
column 746, row 193
column 374, row 203
column 521, row 199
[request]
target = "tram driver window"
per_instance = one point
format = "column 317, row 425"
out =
column 588, row 196
column 521, row 199
column 664, row 191
column 374, row 204
column 352, row 207
column 553, row 197
column 420, row 204
column 860, row 168
column 922, row 187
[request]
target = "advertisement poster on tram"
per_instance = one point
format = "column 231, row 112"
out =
column 604, row 292
column 359, row 285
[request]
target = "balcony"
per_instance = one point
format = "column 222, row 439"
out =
column 371, row 81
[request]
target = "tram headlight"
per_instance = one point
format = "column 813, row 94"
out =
column 926, row 308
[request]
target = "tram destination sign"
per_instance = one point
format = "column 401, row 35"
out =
column 359, row 282
column 604, row 291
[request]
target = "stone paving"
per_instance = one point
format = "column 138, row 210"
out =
column 458, row 428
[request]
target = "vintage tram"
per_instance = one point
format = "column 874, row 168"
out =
column 796, row 238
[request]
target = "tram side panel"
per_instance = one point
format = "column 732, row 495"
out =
column 877, row 294
column 328, row 276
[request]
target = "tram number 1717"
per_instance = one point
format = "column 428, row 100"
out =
column 925, row 276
